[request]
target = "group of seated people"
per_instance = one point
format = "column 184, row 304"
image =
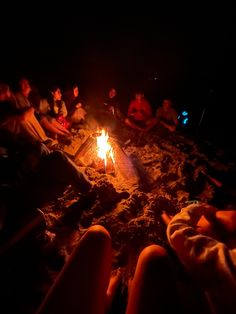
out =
column 51, row 117
column 201, row 238
column 140, row 117
column 42, row 119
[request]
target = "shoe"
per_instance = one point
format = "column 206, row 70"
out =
column 50, row 143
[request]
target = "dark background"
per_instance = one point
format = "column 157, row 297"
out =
column 184, row 53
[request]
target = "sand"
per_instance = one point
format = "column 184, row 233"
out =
column 151, row 174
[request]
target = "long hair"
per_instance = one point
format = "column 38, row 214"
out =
column 51, row 100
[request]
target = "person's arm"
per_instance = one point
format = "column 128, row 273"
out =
column 118, row 114
column 133, row 125
column 55, row 109
column 175, row 119
column 63, row 109
column 207, row 259
column 171, row 128
column 27, row 114
column 159, row 115
column 131, row 108
column 147, row 109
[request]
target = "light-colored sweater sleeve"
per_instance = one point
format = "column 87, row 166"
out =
column 210, row 262
column 62, row 111
column 196, row 251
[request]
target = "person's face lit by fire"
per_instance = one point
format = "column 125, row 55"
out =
column 139, row 96
column 112, row 93
column 25, row 87
column 166, row 104
column 76, row 91
column 57, row 94
column 5, row 92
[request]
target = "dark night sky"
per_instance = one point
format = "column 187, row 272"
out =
column 190, row 52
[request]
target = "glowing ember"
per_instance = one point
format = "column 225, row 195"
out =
column 104, row 148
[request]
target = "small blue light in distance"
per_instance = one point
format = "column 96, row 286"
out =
column 185, row 121
column 178, row 117
column 184, row 113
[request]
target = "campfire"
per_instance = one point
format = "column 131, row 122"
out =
column 105, row 150
column 103, row 153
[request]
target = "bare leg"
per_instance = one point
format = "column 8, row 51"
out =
column 50, row 127
column 28, row 126
column 150, row 124
column 81, row 286
column 153, row 288
column 59, row 127
column 33, row 127
column 133, row 125
column 112, row 288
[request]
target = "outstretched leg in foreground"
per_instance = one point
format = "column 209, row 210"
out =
column 153, row 287
column 82, row 284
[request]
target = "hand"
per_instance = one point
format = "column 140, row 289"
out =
column 79, row 105
column 209, row 212
column 166, row 218
column 172, row 128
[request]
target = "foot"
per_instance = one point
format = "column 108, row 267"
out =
column 114, row 283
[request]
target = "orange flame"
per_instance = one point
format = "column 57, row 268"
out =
column 104, row 147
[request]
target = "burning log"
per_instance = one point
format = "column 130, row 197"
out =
column 106, row 155
column 86, row 152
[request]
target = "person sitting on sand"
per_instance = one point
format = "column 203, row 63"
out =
column 75, row 105
column 109, row 114
column 48, row 116
column 140, row 114
column 167, row 116
column 111, row 104
column 19, row 120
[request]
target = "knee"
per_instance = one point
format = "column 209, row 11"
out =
column 153, row 254
column 58, row 154
column 153, row 121
column 99, row 234
column 58, row 158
